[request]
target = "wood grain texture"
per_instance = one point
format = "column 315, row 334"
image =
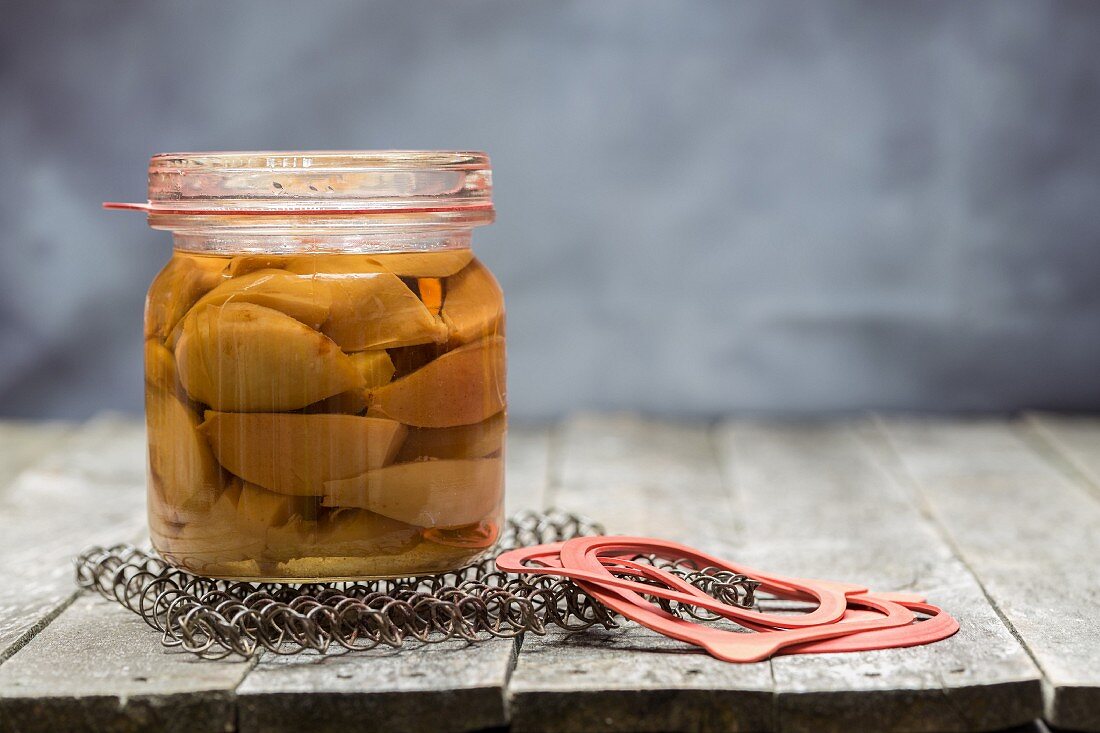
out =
column 1075, row 440
column 89, row 489
column 99, row 667
column 1032, row 536
column 659, row 479
column 818, row 501
column 450, row 686
column 527, row 467
column 22, row 442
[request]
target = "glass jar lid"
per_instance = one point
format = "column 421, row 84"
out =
column 374, row 183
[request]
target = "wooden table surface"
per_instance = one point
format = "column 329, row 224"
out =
column 996, row 520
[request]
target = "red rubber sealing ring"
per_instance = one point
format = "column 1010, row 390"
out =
column 866, row 621
column 939, row 626
column 830, row 596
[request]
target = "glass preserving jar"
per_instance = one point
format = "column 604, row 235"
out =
column 324, row 365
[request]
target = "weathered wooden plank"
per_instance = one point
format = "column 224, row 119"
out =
column 90, row 489
column 818, row 501
column 527, row 467
column 659, row 479
column 1032, row 536
column 98, row 667
column 1075, row 440
column 22, row 442
column 452, row 686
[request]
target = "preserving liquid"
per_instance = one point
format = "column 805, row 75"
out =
column 325, row 415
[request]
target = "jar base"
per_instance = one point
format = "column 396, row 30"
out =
column 328, row 569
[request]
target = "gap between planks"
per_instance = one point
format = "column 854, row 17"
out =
column 819, row 500
column 1029, row 530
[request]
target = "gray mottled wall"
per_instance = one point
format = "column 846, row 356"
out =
column 703, row 206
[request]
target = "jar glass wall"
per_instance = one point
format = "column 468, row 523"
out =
column 325, row 392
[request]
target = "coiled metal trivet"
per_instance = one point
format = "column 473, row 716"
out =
column 217, row 618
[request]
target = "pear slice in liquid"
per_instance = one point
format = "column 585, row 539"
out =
column 296, row 453
column 359, row 532
column 461, row 387
column 425, row 493
column 438, row 263
column 375, row 366
column 464, row 441
column 473, row 306
column 300, row 297
column 242, row 357
column 186, row 479
column 378, row 311
column 182, row 282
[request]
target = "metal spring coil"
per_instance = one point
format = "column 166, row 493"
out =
column 217, row 618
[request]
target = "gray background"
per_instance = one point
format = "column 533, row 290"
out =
column 703, row 206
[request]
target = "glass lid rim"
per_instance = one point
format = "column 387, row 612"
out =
column 289, row 160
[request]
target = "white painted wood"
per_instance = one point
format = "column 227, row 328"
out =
column 1073, row 439
column 1030, row 533
column 99, row 667
column 527, row 468
column 89, row 490
column 450, row 686
column 22, row 442
column 651, row 478
column 818, row 501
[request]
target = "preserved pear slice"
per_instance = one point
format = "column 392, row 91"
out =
column 462, row 387
column 464, row 441
column 357, row 532
column 160, row 367
column 296, row 454
column 300, row 297
column 217, row 535
column 427, row 263
column 243, row 357
column 183, row 281
column 425, row 493
column 375, row 310
column 375, row 366
column 184, row 472
column 264, row 509
column 439, row 263
column 352, row 402
column 472, row 304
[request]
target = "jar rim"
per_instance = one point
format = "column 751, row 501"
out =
column 343, row 183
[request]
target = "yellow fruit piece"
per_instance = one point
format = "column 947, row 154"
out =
column 185, row 476
column 378, row 311
column 359, row 532
column 295, row 453
column 243, row 357
column 438, row 263
column 182, row 282
column 375, row 366
column 216, row 535
column 300, row 297
column 461, row 387
column 352, row 402
column 425, row 493
column 160, row 367
column 244, row 264
column 473, row 306
column 263, row 509
column 464, row 441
